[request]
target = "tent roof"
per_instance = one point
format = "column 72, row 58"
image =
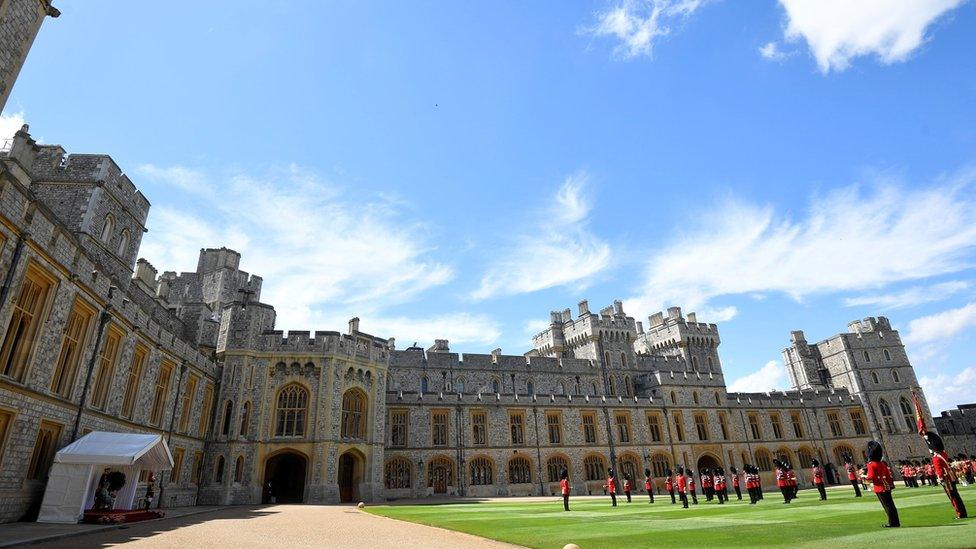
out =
column 105, row 448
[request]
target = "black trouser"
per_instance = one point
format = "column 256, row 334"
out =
column 708, row 494
column 786, row 493
column 957, row 504
column 753, row 496
column 650, row 495
column 566, row 502
column 671, row 491
column 694, row 498
column 738, row 492
column 613, row 498
column 684, row 499
column 823, row 492
column 759, row 492
column 627, row 493
column 890, row 509
column 720, row 495
column 857, row 489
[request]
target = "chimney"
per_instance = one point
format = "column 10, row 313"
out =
column 353, row 325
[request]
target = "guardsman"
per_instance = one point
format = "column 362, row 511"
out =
column 967, row 468
column 928, row 472
column 945, row 474
column 718, row 482
column 852, row 475
column 781, row 481
column 919, row 471
column 611, row 487
column 627, row 486
column 752, row 483
column 817, row 472
column 649, row 485
column 691, row 487
column 792, row 481
column 706, row 484
column 735, row 483
column 879, row 474
column 682, row 483
column 669, row 485
column 564, row 488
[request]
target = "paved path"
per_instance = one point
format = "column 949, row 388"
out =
column 279, row 526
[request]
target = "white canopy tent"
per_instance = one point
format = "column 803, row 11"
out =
column 77, row 468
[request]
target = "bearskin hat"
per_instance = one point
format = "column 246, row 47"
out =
column 734, row 472
column 815, row 462
column 564, row 474
column 875, row 450
column 610, row 472
column 934, row 441
column 647, row 472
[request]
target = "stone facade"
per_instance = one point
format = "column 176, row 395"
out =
column 20, row 20
column 958, row 429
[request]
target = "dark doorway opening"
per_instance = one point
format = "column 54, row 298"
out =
column 708, row 462
column 284, row 478
column 350, row 472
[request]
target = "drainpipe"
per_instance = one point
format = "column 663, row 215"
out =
column 209, row 429
column 538, row 451
column 606, row 414
column 172, row 420
column 102, row 321
column 14, row 261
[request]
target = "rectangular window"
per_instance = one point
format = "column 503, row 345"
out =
column 754, row 426
column 197, row 467
column 6, row 418
column 28, row 307
column 516, row 421
column 105, row 368
column 701, row 426
column 834, row 421
column 161, row 393
column 45, row 445
column 622, row 419
column 207, row 411
column 72, row 347
column 797, row 425
column 654, row 426
column 139, row 357
column 398, row 428
column 438, row 427
column 174, row 475
column 589, row 427
column 777, row 426
column 858, row 420
column 679, row 427
column 186, row 405
column 554, row 424
column 723, row 422
column 479, row 428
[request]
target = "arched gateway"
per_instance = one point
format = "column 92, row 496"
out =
column 284, row 478
column 350, row 475
column 708, row 461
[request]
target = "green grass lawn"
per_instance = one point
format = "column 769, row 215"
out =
column 842, row 521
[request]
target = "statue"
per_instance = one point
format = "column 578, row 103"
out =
column 108, row 487
column 150, row 490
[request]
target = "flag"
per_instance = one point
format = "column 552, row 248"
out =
column 919, row 416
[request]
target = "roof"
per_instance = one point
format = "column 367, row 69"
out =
column 106, row 448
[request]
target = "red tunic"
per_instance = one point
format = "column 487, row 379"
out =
column 682, row 483
column 781, row 478
column 611, row 485
column 943, row 470
column 735, row 481
column 647, row 484
column 564, row 487
column 706, row 482
column 851, row 475
column 791, row 478
column 719, row 483
column 668, row 484
column 880, row 476
column 691, row 485
column 626, row 486
column 818, row 475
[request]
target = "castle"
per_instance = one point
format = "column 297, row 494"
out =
column 95, row 339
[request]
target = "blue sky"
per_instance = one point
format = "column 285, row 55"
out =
column 447, row 170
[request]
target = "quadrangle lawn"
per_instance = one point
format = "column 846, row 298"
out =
column 842, row 521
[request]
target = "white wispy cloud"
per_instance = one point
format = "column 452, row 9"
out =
column 944, row 391
column 771, row 51
column 457, row 328
column 10, row 123
column 313, row 244
column 772, row 376
column 909, row 297
column 941, row 326
column 558, row 250
column 850, row 239
column 181, row 177
column 534, row 326
column 837, row 31
column 637, row 24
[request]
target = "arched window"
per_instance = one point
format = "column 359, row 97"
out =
column 907, row 412
column 660, row 464
column 889, row 421
column 623, row 360
column 710, row 365
column 674, row 398
column 628, row 387
column 606, row 358
column 245, row 419
column 887, row 355
column 555, row 466
column 396, row 474
column 519, row 471
column 867, row 357
column 495, row 386
column 630, row 466
column 529, row 387
column 805, row 457
column 219, row 470
column 895, row 377
column 123, row 243
column 694, row 363
column 424, row 384
column 874, row 377
column 108, row 228
column 718, row 398
column 694, row 397
column 560, row 389
column 228, row 412
column 595, row 467
column 842, row 450
column 353, row 414
column 612, row 387
column 291, row 410
column 239, row 470
column 481, row 472
column 595, row 392
column 459, row 385
column 764, row 460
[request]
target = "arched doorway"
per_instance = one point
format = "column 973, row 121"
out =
column 349, row 475
column 284, row 478
column 708, row 461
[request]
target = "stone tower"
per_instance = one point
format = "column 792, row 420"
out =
column 695, row 343
column 19, row 22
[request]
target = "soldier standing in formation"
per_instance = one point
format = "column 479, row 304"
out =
column 879, row 474
column 719, row 482
column 735, row 483
column 706, row 484
column 792, row 482
column 564, row 488
column 817, row 473
column 669, row 485
column 852, row 475
column 682, row 483
column 752, row 483
column 781, row 481
column 611, row 487
column 649, row 485
column 691, row 487
column 943, row 471
column 627, row 486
